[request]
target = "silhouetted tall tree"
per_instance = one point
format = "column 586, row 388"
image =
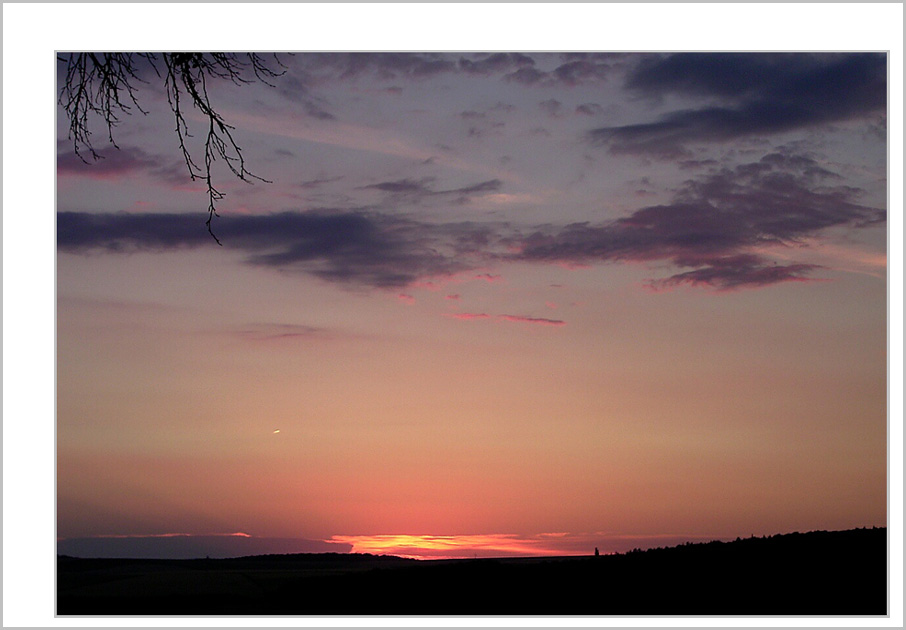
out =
column 105, row 85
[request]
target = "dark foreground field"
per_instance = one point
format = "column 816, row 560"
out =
column 818, row 573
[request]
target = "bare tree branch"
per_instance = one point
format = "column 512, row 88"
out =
column 104, row 85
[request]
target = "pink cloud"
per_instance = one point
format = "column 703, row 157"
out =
column 468, row 315
column 572, row 265
column 438, row 282
column 405, row 297
column 454, row 296
column 125, row 161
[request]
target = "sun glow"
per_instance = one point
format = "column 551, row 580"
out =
column 452, row 547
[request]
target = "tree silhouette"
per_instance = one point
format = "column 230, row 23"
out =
column 105, row 85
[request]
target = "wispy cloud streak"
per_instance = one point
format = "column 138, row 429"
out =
column 524, row 319
column 520, row 319
column 419, row 189
column 279, row 332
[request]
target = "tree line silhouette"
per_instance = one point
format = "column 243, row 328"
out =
column 817, row 573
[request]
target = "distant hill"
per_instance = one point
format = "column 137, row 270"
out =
column 816, row 573
column 184, row 546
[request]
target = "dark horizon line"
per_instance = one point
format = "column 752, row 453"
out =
column 366, row 555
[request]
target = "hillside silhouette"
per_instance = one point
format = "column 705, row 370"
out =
column 815, row 573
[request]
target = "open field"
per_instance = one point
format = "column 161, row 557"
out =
column 818, row 573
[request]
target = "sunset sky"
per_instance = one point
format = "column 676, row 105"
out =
column 534, row 302
column 490, row 303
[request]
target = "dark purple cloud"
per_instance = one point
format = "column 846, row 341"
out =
column 314, row 109
column 348, row 247
column 749, row 94
column 296, row 84
column 711, row 231
column 527, row 76
column 581, row 71
column 714, row 221
column 485, row 64
column 734, row 272
column 84, row 231
column 570, row 70
column 527, row 68
column 589, row 109
column 573, row 69
column 385, row 65
column 489, row 185
column 404, row 186
column 318, row 182
column 422, row 188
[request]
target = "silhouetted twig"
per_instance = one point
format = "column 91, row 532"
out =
column 105, row 85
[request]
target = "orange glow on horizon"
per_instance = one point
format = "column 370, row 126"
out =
column 452, row 547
